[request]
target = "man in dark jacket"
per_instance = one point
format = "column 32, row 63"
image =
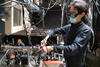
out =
column 76, row 36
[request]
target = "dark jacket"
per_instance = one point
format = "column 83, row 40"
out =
column 76, row 38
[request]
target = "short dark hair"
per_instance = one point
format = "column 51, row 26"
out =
column 80, row 5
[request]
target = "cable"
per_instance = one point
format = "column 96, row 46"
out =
column 4, row 56
column 49, row 5
column 93, row 39
column 9, row 6
column 96, row 6
column 18, row 2
column 5, row 3
column 46, row 11
column 29, row 38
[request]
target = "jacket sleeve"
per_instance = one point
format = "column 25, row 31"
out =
column 80, row 41
column 61, row 30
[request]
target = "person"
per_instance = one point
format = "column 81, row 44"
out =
column 76, row 36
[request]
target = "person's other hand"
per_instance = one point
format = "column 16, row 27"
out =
column 47, row 49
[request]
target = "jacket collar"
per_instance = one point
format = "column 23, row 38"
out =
column 78, row 24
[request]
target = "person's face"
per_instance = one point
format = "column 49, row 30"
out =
column 75, row 17
column 73, row 10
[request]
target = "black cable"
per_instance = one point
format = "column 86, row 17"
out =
column 49, row 7
column 96, row 6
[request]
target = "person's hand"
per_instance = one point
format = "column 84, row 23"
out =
column 43, row 43
column 79, row 17
column 47, row 49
